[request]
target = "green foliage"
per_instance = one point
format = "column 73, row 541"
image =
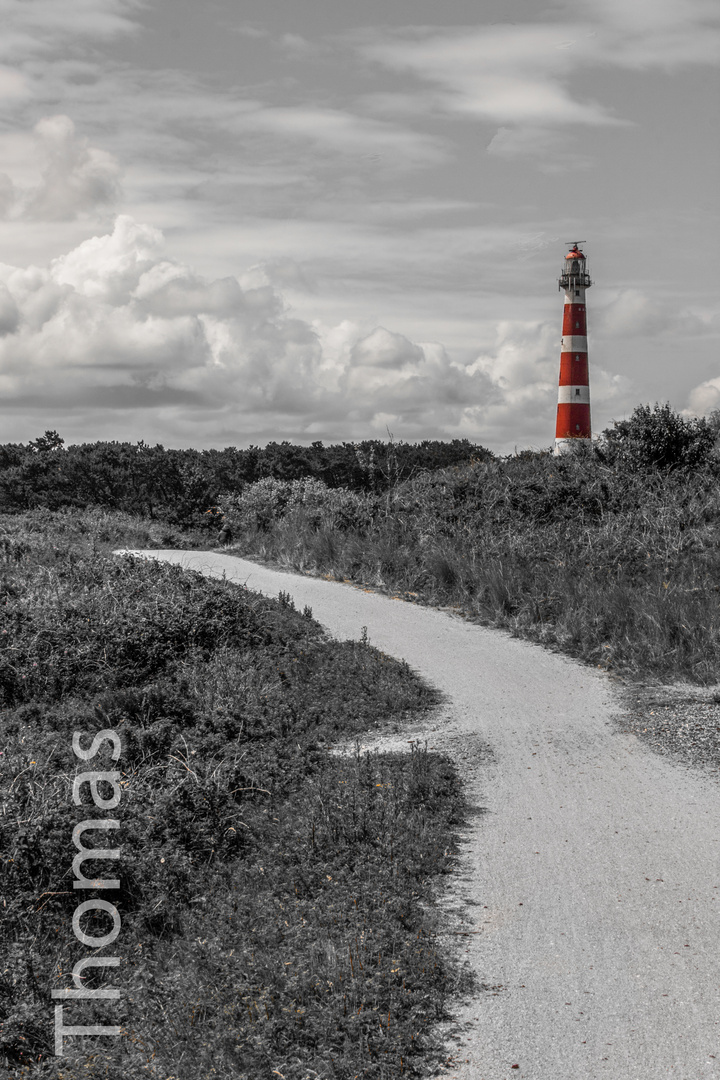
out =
column 270, row 500
column 184, row 488
column 615, row 564
column 658, row 438
column 276, row 900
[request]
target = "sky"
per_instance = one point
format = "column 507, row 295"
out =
column 228, row 223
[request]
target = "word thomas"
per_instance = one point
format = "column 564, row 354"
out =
column 82, row 882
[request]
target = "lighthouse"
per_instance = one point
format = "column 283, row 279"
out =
column 573, row 411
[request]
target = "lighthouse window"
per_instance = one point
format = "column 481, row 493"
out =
column 577, row 292
column 577, row 324
column 577, row 357
column 577, row 427
column 577, row 393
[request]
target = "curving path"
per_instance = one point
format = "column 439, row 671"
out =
column 594, row 877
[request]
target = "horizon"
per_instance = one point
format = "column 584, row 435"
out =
column 223, row 229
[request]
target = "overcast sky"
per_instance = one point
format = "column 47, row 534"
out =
column 230, row 222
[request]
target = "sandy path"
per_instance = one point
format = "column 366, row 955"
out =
column 595, row 875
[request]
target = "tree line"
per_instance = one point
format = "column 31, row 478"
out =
column 184, row 487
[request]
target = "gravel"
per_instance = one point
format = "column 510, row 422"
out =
column 681, row 722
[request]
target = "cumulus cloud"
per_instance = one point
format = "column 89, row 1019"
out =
column 77, row 177
column 704, row 399
column 9, row 314
column 114, row 314
column 8, row 195
column 114, row 327
column 115, row 339
column 520, row 373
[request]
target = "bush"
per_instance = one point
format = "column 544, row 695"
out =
column 268, row 501
column 658, row 438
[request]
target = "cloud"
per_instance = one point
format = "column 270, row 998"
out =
column 34, row 29
column 114, row 329
column 76, row 180
column 521, row 374
column 12, row 84
column 8, row 195
column 666, row 34
column 77, row 177
column 536, row 141
column 341, row 131
column 704, row 399
column 9, row 314
column 507, row 74
column 385, row 349
column 114, row 339
column 633, row 314
column 524, row 74
column 283, row 273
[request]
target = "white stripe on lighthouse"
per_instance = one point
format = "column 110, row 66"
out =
column 574, row 344
column 561, row 445
column 573, row 395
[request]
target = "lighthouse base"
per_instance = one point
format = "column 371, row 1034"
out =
column 567, row 446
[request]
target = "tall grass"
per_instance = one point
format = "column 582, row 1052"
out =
column 619, row 568
column 276, row 900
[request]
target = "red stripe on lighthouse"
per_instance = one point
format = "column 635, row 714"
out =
column 574, row 321
column 573, row 421
column 574, row 369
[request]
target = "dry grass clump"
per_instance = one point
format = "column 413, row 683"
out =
column 276, row 901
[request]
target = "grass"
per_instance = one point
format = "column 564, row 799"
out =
column 615, row 566
column 276, row 900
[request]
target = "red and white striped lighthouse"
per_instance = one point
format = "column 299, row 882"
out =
column 573, row 411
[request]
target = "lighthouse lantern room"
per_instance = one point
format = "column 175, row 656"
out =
column 573, row 411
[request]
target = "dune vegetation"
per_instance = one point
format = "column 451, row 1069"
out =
column 276, row 900
column 612, row 555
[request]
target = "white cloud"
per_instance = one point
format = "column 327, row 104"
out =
column 509, row 74
column 76, row 179
column 12, row 84
column 114, row 326
column 115, row 339
column 8, row 195
column 703, row 399
column 9, row 314
column 385, row 349
column 32, row 29
column 339, row 130
column 523, row 74
column 633, row 314
column 521, row 375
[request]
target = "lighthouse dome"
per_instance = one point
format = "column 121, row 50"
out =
column 575, row 254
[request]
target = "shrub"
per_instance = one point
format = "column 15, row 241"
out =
column 658, row 438
column 268, row 501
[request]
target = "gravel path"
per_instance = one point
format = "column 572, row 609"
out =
column 588, row 904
